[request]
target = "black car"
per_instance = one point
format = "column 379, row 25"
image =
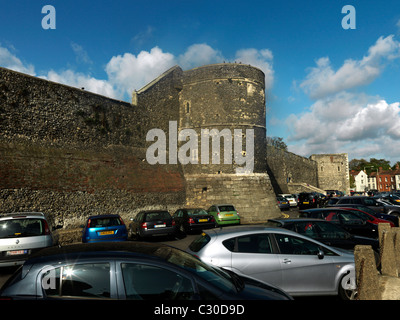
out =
column 390, row 215
column 351, row 222
column 362, row 200
column 129, row 271
column 325, row 232
column 152, row 223
column 310, row 200
column 193, row 219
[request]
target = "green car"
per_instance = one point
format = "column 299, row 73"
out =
column 224, row 214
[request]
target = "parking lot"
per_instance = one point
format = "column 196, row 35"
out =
column 180, row 242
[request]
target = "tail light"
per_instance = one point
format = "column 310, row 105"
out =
column 173, row 222
column 191, row 221
column 212, row 219
column 122, row 221
column 144, row 225
column 46, row 228
column 88, row 224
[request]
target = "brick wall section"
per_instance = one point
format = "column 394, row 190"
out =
column 250, row 194
column 74, row 153
column 284, row 167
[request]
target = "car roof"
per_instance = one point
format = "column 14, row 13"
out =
column 22, row 214
column 104, row 216
column 297, row 220
column 245, row 229
column 102, row 250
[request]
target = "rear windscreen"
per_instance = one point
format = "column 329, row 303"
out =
column 200, row 242
column 226, row 208
column 154, row 216
column 104, row 222
column 21, row 228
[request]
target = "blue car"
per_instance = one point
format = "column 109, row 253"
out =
column 108, row 227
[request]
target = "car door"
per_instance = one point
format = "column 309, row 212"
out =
column 303, row 271
column 356, row 225
column 253, row 255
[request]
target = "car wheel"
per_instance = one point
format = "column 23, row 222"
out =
column 346, row 294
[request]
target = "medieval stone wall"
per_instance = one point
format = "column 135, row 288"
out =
column 73, row 153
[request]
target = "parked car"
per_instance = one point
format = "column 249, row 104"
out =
column 193, row 219
column 283, row 203
column 390, row 215
column 224, row 214
column 105, row 227
column 323, row 231
column 291, row 198
column 362, row 200
column 354, row 223
column 152, row 223
column 129, row 271
column 310, row 200
column 297, row 264
column 24, row 233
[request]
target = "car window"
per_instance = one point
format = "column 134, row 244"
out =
column 351, row 219
column 91, row 280
column 153, row 216
column 293, row 245
column 104, row 222
column 197, row 212
column 330, row 216
column 11, row 228
column 255, row 243
column 369, row 202
column 226, row 208
column 322, row 230
column 146, row 282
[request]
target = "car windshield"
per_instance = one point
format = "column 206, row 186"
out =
column 25, row 227
column 196, row 212
column 226, row 208
column 104, row 222
column 214, row 275
column 154, row 216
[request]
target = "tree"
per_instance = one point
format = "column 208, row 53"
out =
column 277, row 142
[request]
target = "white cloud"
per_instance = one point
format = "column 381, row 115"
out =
column 129, row 72
column 353, row 123
column 261, row 59
column 199, row 54
column 323, row 80
column 10, row 61
column 81, row 54
column 80, row 80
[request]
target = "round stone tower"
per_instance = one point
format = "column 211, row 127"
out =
column 225, row 103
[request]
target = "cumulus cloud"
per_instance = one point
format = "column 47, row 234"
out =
column 323, row 80
column 129, row 72
column 261, row 59
column 10, row 61
column 80, row 80
column 199, row 54
column 352, row 123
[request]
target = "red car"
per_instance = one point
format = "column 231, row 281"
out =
column 370, row 217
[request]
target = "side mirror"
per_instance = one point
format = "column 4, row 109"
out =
column 320, row 254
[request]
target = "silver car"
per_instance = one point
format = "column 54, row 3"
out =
column 297, row 264
column 21, row 234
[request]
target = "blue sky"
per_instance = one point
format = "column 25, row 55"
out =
column 329, row 89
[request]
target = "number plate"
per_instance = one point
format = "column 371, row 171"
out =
column 306, row 202
column 159, row 226
column 104, row 233
column 16, row 252
column 229, row 215
column 203, row 220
